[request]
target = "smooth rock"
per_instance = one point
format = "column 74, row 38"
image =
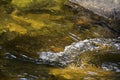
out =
column 107, row 8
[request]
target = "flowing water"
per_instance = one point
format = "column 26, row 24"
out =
column 50, row 40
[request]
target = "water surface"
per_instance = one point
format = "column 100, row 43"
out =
column 55, row 42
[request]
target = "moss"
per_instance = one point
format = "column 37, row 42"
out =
column 14, row 27
column 71, row 73
column 36, row 6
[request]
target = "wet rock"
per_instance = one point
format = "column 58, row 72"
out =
column 107, row 13
column 108, row 9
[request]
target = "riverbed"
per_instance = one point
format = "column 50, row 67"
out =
column 55, row 41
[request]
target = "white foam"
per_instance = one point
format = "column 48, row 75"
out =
column 70, row 52
column 10, row 56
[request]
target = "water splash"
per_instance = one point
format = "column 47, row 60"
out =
column 71, row 52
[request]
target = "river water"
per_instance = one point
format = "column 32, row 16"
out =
column 56, row 43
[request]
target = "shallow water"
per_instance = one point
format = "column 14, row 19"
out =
column 56, row 43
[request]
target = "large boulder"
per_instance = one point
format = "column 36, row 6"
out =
column 109, row 9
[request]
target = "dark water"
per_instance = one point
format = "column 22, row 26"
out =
column 55, row 42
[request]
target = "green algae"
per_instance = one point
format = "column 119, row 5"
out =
column 38, row 5
column 34, row 26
